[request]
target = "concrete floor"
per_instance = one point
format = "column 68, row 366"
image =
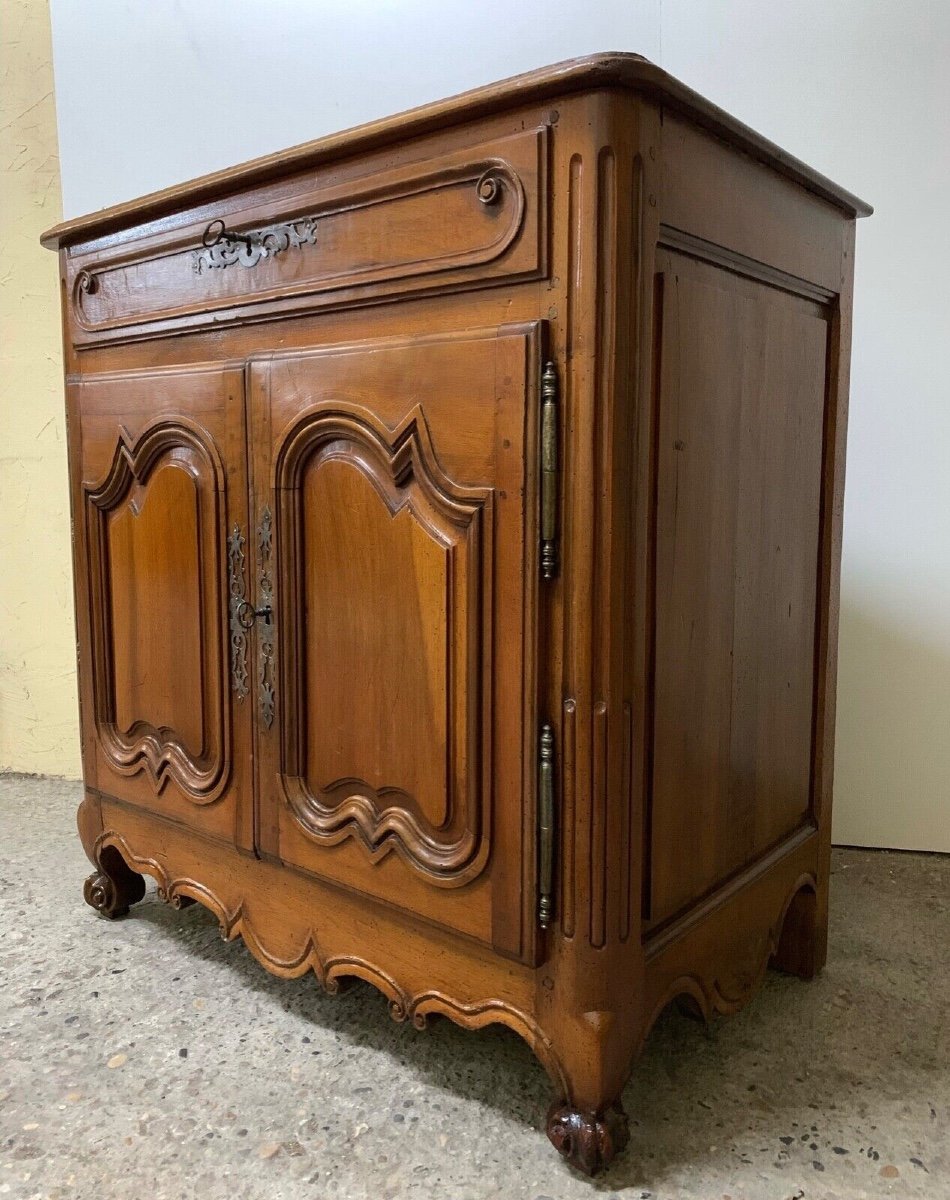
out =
column 147, row 1058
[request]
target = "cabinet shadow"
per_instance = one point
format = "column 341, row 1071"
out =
column 805, row 1074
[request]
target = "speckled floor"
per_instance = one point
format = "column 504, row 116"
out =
column 147, row 1058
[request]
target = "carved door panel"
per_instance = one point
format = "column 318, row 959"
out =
column 396, row 750
column 160, row 515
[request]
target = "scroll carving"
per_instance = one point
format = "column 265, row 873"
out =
column 405, row 1002
column 488, row 187
column 330, row 239
column 589, row 1140
column 729, row 987
column 112, row 888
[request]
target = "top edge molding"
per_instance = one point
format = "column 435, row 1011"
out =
column 624, row 71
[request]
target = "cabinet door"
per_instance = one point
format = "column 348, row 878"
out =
column 395, row 496
column 160, row 508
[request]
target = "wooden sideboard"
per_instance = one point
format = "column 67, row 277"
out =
column 456, row 522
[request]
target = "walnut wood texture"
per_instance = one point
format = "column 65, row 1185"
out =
column 400, row 473
column 316, row 649
column 588, row 1140
column 481, row 209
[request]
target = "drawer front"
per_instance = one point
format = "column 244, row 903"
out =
column 474, row 214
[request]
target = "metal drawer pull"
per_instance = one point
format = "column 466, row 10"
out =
column 224, row 247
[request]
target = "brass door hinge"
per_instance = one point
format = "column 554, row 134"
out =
column 549, row 405
column 546, row 826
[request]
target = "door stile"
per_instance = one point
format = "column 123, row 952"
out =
column 266, row 707
column 237, row 516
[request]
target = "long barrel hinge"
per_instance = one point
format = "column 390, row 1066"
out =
column 549, row 456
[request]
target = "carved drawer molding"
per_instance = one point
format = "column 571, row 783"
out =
column 473, row 214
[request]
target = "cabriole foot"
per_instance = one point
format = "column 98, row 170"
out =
column 588, row 1139
column 114, row 887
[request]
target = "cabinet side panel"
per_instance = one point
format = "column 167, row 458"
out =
column 742, row 394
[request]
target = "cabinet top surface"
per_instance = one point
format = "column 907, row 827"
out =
column 631, row 72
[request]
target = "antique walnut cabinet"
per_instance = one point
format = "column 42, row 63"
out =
column 456, row 518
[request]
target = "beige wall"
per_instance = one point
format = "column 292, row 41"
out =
column 38, row 709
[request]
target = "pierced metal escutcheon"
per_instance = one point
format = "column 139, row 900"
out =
column 225, row 247
column 237, row 598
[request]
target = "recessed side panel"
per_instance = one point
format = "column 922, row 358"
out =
column 741, row 370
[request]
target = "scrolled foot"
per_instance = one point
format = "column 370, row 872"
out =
column 114, row 887
column 588, row 1139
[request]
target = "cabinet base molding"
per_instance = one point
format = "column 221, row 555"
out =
column 282, row 938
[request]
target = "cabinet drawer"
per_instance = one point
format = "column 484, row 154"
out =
column 476, row 214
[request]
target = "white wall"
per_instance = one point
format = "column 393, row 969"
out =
column 151, row 92
column 861, row 90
